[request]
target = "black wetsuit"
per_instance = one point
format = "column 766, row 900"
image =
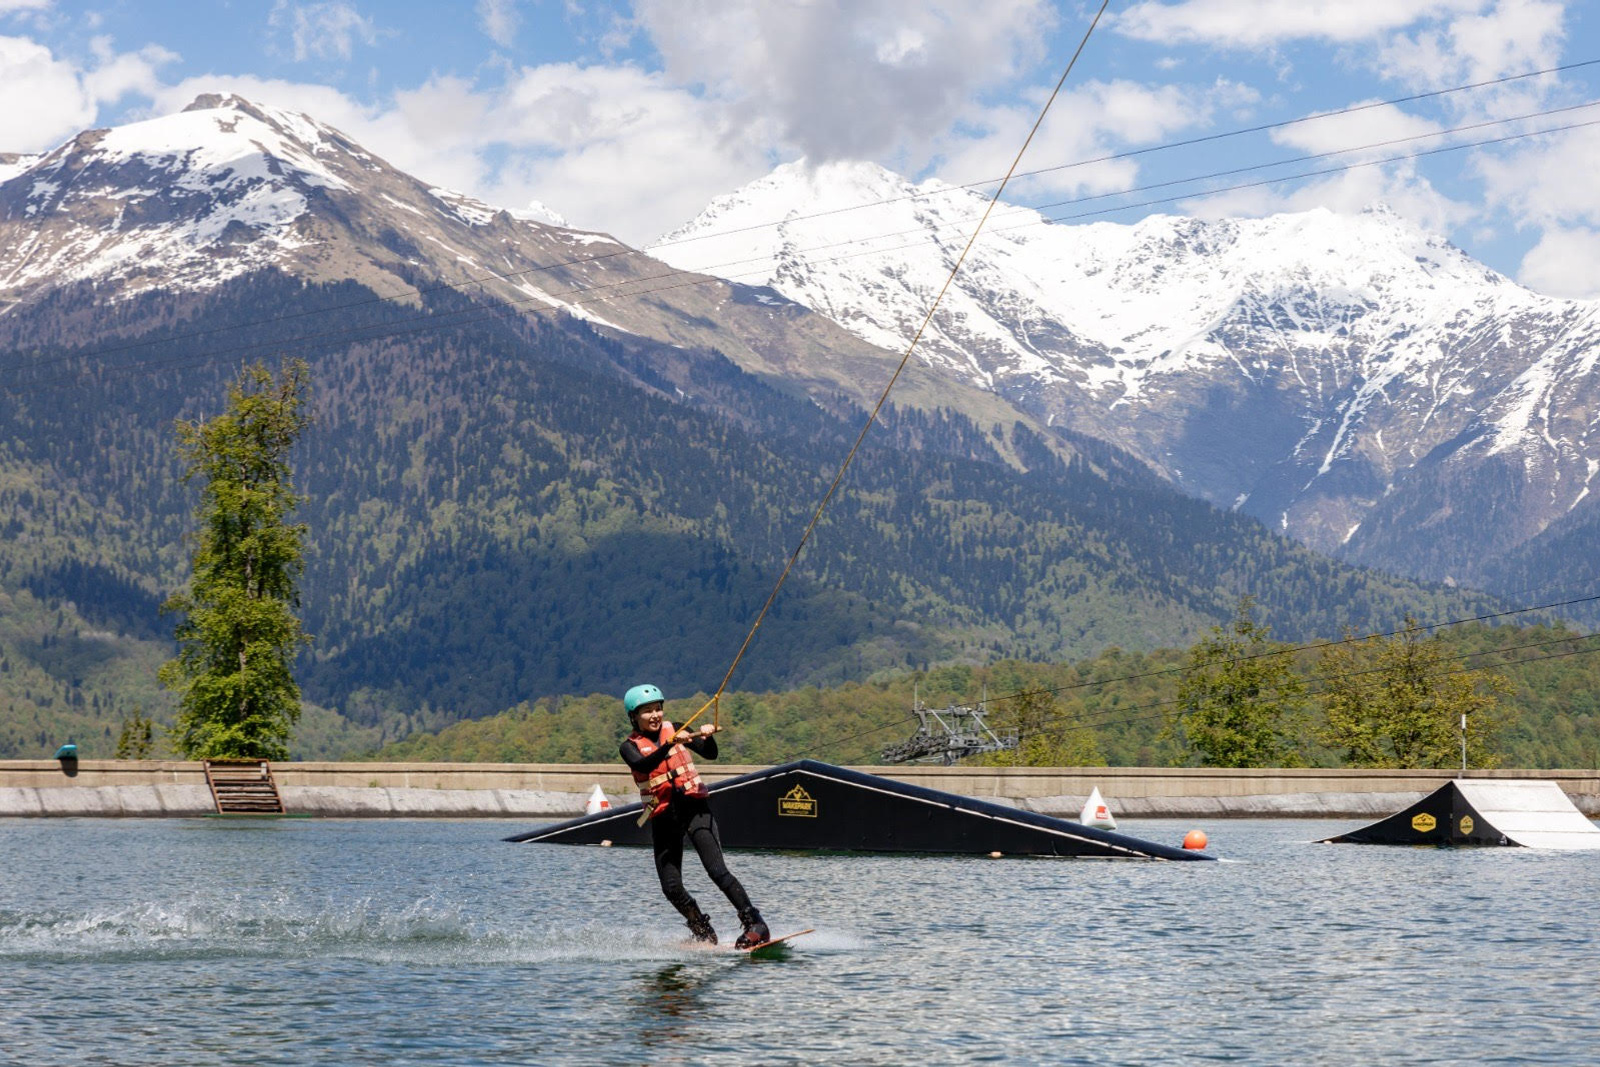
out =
column 687, row 817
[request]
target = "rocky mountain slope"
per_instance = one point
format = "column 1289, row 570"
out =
column 1358, row 383
column 510, row 500
column 188, row 202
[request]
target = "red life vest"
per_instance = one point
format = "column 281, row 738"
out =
column 675, row 774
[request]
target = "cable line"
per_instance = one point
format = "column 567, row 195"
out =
column 872, row 416
column 684, row 278
column 925, row 234
column 1290, row 650
column 1337, row 170
column 1132, row 153
column 1070, row 721
column 1251, row 168
column 491, row 276
column 932, row 235
column 1285, row 651
column 1069, row 726
column 1206, row 138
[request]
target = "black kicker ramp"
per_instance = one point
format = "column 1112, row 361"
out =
column 813, row 806
column 1485, row 811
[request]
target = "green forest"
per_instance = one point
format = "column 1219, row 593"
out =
column 1112, row 709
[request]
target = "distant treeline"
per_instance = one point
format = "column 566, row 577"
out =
column 1112, row 709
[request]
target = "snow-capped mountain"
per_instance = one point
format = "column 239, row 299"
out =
column 1353, row 380
column 187, row 202
column 226, row 187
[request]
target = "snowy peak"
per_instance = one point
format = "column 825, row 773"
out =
column 196, row 197
column 185, row 203
column 863, row 243
column 1104, row 305
column 14, row 163
column 1301, row 366
column 228, row 186
column 216, row 144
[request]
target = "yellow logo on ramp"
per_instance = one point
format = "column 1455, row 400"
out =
column 798, row 802
column 1466, row 824
column 1423, row 823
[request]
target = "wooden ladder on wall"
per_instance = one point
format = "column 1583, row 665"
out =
column 243, row 787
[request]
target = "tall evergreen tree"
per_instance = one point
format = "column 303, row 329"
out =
column 1240, row 702
column 239, row 632
column 1398, row 702
column 137, row 739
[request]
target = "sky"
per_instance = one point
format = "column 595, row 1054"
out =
column 631, row 117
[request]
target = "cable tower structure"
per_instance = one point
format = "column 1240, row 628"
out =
column 948, row 734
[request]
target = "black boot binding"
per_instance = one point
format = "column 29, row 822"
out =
column 700, row 928
column 755, row 931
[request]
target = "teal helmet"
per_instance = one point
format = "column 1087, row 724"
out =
column 639, row 696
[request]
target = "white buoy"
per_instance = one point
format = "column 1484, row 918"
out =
column 597, row 802
column 1095, row 813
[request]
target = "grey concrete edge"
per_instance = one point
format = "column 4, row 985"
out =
column 345, row 802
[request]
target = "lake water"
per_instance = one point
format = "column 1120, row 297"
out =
column 392, row 942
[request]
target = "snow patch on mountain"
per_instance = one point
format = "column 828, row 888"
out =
column 13, row 164
column 221, row 146
column 535, row 211
column 468, row 209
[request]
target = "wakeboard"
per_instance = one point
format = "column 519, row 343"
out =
column 775, row 946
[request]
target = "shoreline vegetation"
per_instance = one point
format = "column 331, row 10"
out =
column 1111, row 709
column 1114, row 709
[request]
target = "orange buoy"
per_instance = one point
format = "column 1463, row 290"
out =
column 1194, row 839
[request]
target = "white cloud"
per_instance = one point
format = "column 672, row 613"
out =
column 12, row 7
column 613, row 148
column 119, row 74
column 1262, row 24
column 1340, row 131
column 1095, row 119
column 1565, row 262
column 499, row 19
column 618, row 148
column 44, row 100
column 846, row 79
column 322, row 30
column 1508, row 37
column 1548, row 187
column 1550, row 183
column 1400, row 186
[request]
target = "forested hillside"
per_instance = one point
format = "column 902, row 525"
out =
column 505, row 508
column 1112, row 708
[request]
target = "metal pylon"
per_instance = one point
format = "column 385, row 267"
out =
column 948, row 734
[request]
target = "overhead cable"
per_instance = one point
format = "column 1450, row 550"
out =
column 491, row 276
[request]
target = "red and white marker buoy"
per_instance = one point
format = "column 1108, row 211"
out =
column 597, row 802
column 1096, row 812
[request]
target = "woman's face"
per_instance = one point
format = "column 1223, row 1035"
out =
column 649, row 716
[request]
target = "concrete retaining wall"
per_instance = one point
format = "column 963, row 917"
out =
column 159, row 788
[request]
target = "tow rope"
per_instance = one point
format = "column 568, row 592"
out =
column 714, row 703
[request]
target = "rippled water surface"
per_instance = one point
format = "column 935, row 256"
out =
column 332, row 942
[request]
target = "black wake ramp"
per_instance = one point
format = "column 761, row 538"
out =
column 812, row 806
column 1484, row 811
